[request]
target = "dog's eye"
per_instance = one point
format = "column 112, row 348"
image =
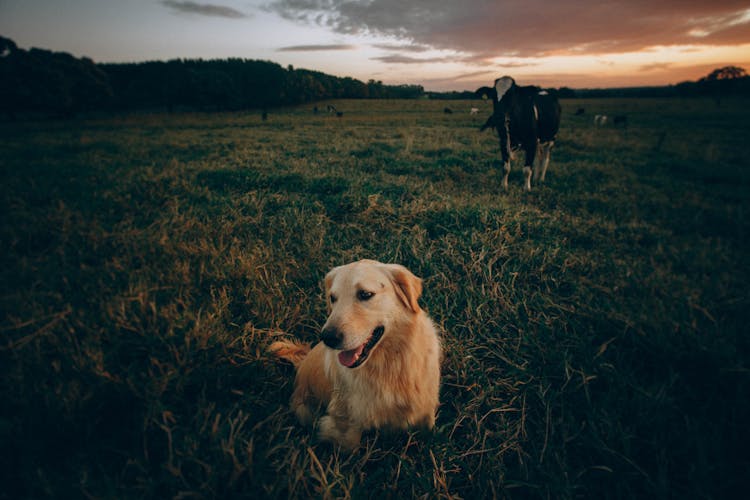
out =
column 333, row 298
column 364, row 295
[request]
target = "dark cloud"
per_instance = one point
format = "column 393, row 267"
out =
column 314, row 48
column 475, row 74
column 465, row 81
column 402, row 59
column 658, row 66
column 204, row 9
column 401, row 48
column 489, row 28
column 515, row 65
column 397, row 58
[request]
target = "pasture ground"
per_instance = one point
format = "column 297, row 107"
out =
column 595, row 329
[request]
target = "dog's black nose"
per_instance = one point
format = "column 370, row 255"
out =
column 331, row 337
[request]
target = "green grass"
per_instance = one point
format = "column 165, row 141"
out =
column 595, row 329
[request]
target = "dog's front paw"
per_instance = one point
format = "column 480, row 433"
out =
column 329, row 429
column 426, row 422
column 304, row 414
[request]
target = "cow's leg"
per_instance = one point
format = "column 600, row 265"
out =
column 527, row 177
column 530, row 150
column 504, row 137
column 544, row 160
column 537, row 163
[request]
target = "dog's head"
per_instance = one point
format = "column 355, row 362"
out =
column 367, row 301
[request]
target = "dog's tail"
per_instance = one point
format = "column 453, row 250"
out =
column 290, row 350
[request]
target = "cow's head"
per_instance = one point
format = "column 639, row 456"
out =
column 503, row 87
column 500, row 93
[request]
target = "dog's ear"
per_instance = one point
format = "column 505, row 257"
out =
column 408, row 287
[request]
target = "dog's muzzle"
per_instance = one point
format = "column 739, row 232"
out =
column 332, row 337
column 351, row 358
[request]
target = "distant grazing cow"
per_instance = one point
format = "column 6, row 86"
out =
column 339, row 114
column 526, row 118
column 447, row 111
column 474, row 111
column 331, row 108
column 620, row 120
column 580, row 111
column 600, row 120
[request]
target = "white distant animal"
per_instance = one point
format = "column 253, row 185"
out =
column 600, row 120
column 474, row 111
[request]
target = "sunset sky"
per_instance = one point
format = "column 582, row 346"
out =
column 440, row 44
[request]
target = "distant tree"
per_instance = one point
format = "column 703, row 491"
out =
column 404, row 91
column 352, row 88
column 725, row 73
column 8, row 78
column 375, row 89
column 566, row 93
column 7, row 46
column 452, row 95
column 304, row 86
column 721, row 82
column 49, row 82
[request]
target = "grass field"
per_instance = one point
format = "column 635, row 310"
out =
column 595, row 329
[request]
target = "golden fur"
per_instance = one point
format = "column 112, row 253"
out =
column 397, row 384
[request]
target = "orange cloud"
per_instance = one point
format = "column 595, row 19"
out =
column 529, row 28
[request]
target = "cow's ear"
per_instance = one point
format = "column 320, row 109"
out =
column 503, row 85
column 486, row 93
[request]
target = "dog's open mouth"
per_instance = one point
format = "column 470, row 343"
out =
column 355, row 357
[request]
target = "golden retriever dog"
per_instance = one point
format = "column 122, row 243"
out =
column 378, row 365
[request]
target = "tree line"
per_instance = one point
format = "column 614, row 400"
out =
column 724, row 81
column 50, row 82
column 57, row 83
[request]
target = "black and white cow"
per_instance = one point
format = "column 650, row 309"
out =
column 527, row 118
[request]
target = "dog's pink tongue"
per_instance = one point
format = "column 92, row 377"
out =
column 348, row 358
